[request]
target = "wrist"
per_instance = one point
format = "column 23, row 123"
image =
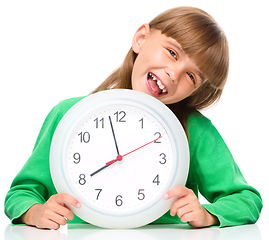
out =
column 29, row 216
column 211, row 219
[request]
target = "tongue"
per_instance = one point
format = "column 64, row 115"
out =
column 154, row 86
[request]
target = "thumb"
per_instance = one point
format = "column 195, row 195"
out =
column 179, row 191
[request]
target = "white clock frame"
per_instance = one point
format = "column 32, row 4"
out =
column 109, row 97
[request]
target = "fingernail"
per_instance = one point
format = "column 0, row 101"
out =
column 166, row 196
column 172, row 214
column 78, row 205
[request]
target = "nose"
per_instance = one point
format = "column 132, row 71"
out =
column 172, row 77
column 174, row 73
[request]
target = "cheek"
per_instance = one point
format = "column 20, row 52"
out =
column 139, row 72
column 183, row 91
column 137, row 81
column 134, row 79
column 187, row 87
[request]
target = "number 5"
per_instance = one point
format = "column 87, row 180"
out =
column 142, row 195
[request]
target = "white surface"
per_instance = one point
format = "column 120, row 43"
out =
column 152, row 232
column 52, row 50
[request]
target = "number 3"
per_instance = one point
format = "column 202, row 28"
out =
column 163, row 157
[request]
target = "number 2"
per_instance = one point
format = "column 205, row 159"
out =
column 159, row 135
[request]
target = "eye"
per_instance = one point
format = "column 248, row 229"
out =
column 173, row 54
column 191, row 77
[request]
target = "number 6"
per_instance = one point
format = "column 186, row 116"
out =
column 118, row 201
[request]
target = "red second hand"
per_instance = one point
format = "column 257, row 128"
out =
column 119, row 157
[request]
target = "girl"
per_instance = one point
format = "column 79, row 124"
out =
column 181, row 58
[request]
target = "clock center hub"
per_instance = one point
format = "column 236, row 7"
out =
column 119, row 158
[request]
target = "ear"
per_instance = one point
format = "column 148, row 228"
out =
column 139, row 37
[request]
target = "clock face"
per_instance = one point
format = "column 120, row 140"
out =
column 136, row 181
column 118, row 158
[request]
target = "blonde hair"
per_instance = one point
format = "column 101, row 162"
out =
column 203, row 40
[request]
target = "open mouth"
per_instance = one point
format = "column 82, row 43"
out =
column 156, row 85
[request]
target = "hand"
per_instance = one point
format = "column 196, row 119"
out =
column 112, row 129
column 119, row 157
column 189, row 209
column 53, row 213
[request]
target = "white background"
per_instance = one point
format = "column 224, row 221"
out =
column 53, row 50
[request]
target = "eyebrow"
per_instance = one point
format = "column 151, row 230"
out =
column 179, row 48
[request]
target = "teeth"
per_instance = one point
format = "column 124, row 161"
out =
column 161, row 86
column 153, row 77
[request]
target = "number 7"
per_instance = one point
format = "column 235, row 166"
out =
column 100, row 190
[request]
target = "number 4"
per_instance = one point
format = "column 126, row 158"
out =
column 156, row 180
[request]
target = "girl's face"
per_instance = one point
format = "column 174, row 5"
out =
column 162, row 69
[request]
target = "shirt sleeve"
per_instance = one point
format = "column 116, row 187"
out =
column 33, row 184
column 220, row 180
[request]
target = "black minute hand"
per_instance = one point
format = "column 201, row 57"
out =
column 114, row 135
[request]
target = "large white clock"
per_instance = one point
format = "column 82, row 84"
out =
column 118, row 152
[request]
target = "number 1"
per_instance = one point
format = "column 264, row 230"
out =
column 142, row 123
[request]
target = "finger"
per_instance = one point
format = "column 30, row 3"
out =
column 69, row 199
column 56, row 213
column 185, row 210
column 189, row 200
column 64, row 212
column 179, row 191
column 187, row 217
column 58, row 219
column 180, row 203
column 52, row 225
column 48, row 224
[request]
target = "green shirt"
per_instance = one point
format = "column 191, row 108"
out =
column 213, row 172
